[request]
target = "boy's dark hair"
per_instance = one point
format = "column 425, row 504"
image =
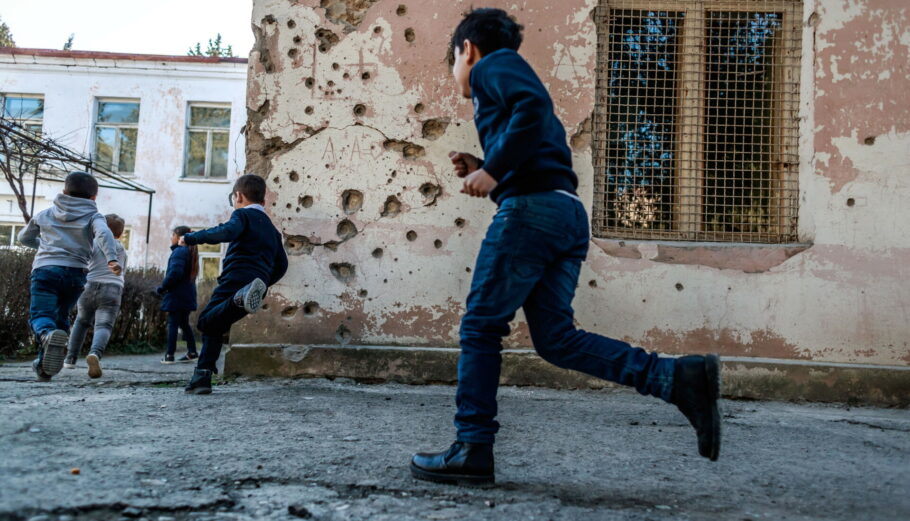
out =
column 252, row 187
column 488, row 28
column 115, row 223
column 80, row 184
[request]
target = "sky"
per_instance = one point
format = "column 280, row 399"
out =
column 134, row 26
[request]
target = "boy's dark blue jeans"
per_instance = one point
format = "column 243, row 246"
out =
column 176, row 321
column 531, row 258
column 217, row 317
column 54, row 292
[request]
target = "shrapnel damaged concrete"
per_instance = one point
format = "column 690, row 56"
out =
column 752, row 378
column 338, row 450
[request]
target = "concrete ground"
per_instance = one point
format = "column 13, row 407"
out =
column 338, row 450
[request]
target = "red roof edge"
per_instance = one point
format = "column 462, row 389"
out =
column 104, row 55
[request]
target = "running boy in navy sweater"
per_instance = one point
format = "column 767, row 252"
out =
column 255, row 259
column 531, row 258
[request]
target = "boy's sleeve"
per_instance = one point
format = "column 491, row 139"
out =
column 281, row 265
column 515, row 87
column 105, row 238
column 226, row 232
column 28, row 236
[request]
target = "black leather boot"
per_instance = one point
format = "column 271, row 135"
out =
column 200, row 383
column 462, row 464
column 696, row 389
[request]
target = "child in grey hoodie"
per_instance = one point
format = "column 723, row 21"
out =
column 99, row 303
column 63, row 236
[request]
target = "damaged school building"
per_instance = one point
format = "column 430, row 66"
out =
column 746, row 164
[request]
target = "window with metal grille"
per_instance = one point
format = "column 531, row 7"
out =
column 696, row 120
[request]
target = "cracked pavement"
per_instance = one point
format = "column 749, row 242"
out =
column 283, row 449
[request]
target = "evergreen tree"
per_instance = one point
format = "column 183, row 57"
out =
column 6, row 37
column 214, row 49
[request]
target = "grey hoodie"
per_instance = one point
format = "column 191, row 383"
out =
column 64, row 233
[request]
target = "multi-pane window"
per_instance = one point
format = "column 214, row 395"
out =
column 8, row 234
column 696, row 120
column 125, row 239
column 25, row 110
column 208, row 131
column 210, row 256
column 116, row 135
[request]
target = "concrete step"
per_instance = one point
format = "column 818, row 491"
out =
column 743, row 377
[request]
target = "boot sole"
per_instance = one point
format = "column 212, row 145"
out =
column 252, row 301
column 54, row 352
column 94, row 365
column 464, row 480
column 712, row 369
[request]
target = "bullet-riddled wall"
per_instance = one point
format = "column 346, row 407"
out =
column 352, row 112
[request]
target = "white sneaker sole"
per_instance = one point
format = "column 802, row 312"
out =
column 252, row 301
column 69, row 366
column 54, row 352
column 94, row 365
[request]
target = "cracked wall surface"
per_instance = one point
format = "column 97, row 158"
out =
column 352, row 112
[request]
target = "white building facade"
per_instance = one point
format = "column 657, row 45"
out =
column 171, row 123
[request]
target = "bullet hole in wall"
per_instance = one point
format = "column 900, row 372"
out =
column 289, row 311
column 391, row 207
column 298, row 245
column 294, row 176
column 407, row 149
column 418, row 108
column 346, row 76
column 292, row 24
column 292, row 53
column 437, row 243
column 308, row 110
column 459, row 222
column 343, row 335
column 310, row 308
column 377, row 30
column 360, row 109
column 335, row 66
column 297, row 40
column 869, row 140
column 411, row 235
column 592, row 283
column 851, row 202
column 351, row 201
column 343, row 271
column 306, row 201
column 330, row 83
column 430, row 192
column 365, row 76
column 362, row 293
column 331, row 245
column 409, row 35
column 377, row 253
column 679, row 286
column 345, row 230
column 327, row 39
column 288, row 206
column 467, row 270
column 434, row 128
column 309, row 83
column 402, row 10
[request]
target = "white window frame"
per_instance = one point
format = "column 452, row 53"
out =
column 13, row 243
column 24, row 122
column 115, row 160
column 207, row 174
column 210, row 255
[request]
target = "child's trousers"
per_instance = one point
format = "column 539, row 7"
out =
column 54, row 292
column 98, row 306
column 531, row 258
column 216, row 319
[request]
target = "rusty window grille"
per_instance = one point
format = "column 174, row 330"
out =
column 696, row 120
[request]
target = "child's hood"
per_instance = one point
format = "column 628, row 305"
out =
column 68, row 208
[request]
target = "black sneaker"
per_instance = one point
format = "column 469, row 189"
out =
column 462, row 464
column 167, row 360
column 696, row 389
column 189, row 357
column 200, row 383
column 53, row 351
column 42, row 376
column 250, row 296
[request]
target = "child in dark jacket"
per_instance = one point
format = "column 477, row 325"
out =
column 178, row 292
column 255, row 259
column 531, row 258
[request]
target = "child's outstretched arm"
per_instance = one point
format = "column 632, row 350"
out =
column 517, row 87
column 107, row 242
column 226, row 232
column 28, row 236
column 281, row 266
